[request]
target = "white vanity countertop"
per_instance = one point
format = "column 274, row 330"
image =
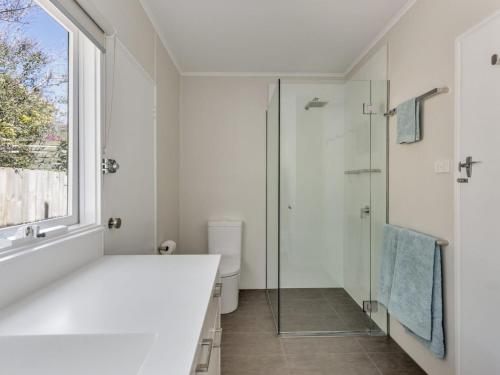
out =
column 164, row 296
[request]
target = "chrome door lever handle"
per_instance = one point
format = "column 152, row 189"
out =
column 467, row 165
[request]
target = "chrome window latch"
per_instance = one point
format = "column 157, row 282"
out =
column 109, row 166
column 33, row 231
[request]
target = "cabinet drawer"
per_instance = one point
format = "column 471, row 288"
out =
column 207, row 359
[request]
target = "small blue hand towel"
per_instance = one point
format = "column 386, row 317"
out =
column 416, row 298
column 408, row 121
column 387, row 262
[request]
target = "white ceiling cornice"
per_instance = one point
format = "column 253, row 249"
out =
column 380, row 36
column 160, row 35
column 263, row 74
column 342, row 75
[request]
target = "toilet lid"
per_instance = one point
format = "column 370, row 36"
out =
column 229, row 266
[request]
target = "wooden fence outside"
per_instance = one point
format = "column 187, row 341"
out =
column 31, row 195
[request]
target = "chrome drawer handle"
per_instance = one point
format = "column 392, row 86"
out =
column 204, row 366
column 219, row 331
column 218, row 290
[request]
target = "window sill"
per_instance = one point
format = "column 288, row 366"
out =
column 77, row 230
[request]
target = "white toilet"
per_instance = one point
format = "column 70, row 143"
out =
column 224, row 237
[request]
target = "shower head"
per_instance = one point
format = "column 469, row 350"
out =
column 315, row 103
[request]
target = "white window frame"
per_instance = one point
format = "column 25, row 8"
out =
column 83, row 144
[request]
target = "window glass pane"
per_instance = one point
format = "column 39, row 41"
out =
column 34, row 114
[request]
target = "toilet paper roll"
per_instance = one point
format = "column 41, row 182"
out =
column 167, row 247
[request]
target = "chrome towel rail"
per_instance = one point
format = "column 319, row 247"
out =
column 427, row 95
column 442, row 243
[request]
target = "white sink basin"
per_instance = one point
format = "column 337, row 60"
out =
column 99, row 354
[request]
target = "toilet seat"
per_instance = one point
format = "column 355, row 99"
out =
column 229, row 266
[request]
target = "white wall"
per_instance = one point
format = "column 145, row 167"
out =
column 167, row 145
column 421, row 57
column 133, row 28
column 312, row 171
column 222, row 168
column 25, row 272
column 223, row 164
column 374, row 68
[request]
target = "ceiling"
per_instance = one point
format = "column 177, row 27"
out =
column 270, row 36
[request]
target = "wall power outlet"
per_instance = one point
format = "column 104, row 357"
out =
column 442, row 166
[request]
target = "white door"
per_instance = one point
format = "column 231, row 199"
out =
column 478, row 200
column 129, row 193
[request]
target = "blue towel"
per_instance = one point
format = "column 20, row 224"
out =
column 387, row 262
column 416, row 298
column 409, row 121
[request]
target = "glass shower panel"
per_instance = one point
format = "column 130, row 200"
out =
column 357, row 203
column 326, row 205
column 272, row 200
column 324, row 235
column 379, row 211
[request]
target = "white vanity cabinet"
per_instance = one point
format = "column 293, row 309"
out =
column 209, row 347
column 163, row 310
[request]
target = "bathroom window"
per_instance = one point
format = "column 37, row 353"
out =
column 42, row 114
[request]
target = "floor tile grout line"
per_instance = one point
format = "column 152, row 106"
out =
column 336, row 312
column 361, row 345
column 374, row 364
column 330, row 305
column 363, row 350
column 282, row 352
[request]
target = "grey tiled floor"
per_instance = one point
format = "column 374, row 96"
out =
column 320, row 310
column 250, row 347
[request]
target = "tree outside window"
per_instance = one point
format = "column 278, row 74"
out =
column 34, row 69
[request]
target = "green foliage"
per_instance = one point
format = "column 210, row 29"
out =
column 27, row 116
column 22, row 58
column 61, row 159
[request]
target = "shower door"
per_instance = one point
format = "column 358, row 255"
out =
column 357, row 204
column 326, row 204
column 365, row 202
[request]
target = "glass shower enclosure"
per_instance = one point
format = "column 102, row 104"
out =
column 326, row 201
